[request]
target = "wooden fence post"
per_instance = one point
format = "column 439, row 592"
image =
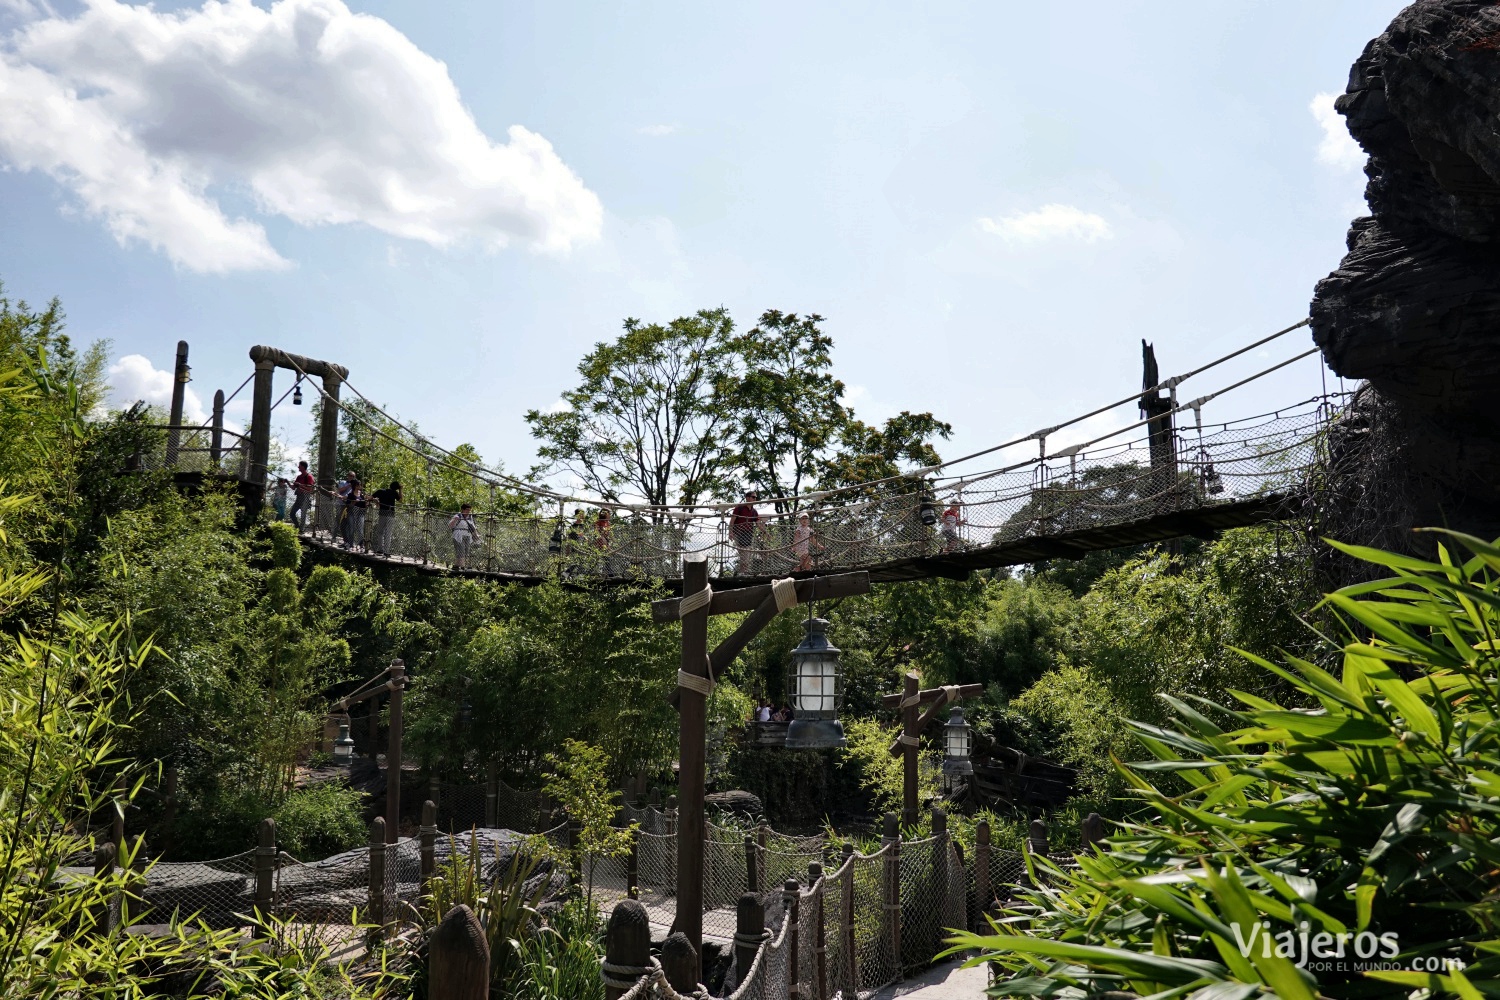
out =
column 846, row 922
column 791, row 897
column 377, row 874
column 752, row 865
column 492, row 795
column 940, row 849
column 984, row 892
column 1092, row 830
column 104, row 866
column 459, row 958
column 891, row 896
column 427, row 843
column 633, row 866
column 820, row 929
column 434, row 790
column 749, row 932
column 679, row 960
column 1036, row 840
column 265, row 871
column 627, row 948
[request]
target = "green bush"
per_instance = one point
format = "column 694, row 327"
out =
column 1276, row 855
column 319, row 821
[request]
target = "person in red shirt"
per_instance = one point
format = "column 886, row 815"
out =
column 304, row 486
column 742, row 524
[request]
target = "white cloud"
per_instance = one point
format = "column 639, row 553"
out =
column 559, row 405
column 656, row 131
column 1337, row 148
column 1050, row 222
column 135, row 379
column 317, row 114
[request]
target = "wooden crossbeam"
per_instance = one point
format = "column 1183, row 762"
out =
column 727, row 602
column 933, row 711
column 930, row 694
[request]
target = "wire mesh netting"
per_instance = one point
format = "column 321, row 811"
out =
column 459, row 807
column 1139, row 477
column 325, row 892
column 219, row 893
column 195, row 449
column 403, row 877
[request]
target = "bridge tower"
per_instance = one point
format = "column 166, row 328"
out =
column 1158, row 410
column 267, row 360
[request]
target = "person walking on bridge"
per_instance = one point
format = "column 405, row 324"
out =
column 743, row 522
column 358, row 505
column 465, row 534
column 303, row 487
column 385, row 528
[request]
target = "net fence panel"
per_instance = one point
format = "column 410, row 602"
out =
column 874, row 948
column 1007, row 872
column 219, row 893
column 459, row 807
column 325, row 892
column 656, row 863
column 403, row 877
column 924, row 902
column 518, row 809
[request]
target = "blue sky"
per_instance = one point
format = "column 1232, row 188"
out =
column 991, row 203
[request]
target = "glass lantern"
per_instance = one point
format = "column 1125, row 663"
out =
column 958, row 740
column 343, row 747
column 816, row 681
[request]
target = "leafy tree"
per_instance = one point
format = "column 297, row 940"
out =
column 787, row 410
column 866, row 453
column 579, row 781
column 649, row 418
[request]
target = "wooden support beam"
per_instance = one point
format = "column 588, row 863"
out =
column 909, row 762
column 727, row 602
column 691, row 752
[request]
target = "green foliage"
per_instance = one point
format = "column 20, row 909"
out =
column 882, row 774
column 1372, row 813
column 320, row 821
column 561, row 960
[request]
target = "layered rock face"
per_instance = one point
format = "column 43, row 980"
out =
column 1414, row 308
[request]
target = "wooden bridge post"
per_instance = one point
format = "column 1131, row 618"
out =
column 890, row 873
column 377, row 874
column 691, row 750
column 492, row 795
column 428, row 843
column 459, row 958
column 910, row 692
column 393, row 754
column 265, row 871
column 328, row 444
column 627, row 948
column 752, row 865
column 179, row 391
column 260, row 429
column 984, row 892
column 820, row 929
column 1036, row 839
column 749, row 932
column 846, row 923
column 791, row 899
column 216, row 432
column 679, row 960
column 633, row 865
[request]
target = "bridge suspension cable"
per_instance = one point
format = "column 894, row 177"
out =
column 495, row 478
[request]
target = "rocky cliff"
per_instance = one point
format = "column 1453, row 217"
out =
column 1414, row 307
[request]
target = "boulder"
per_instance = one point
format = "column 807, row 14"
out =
column 1414, row 307
column 740, row 803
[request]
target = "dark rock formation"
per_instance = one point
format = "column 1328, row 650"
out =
column 743, row 804
column 1414, row 308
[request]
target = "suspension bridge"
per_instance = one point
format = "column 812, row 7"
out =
column 1166, row 475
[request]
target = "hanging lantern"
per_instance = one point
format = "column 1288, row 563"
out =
column 958, row 740
column 816, row 681
column 297, row 392
column 343, row 747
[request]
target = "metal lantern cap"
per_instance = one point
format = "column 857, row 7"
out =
column 816, row 680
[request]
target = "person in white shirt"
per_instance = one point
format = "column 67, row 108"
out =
column 465, row 534
column 803, row 543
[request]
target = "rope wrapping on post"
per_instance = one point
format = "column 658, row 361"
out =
column 624, row 977
column 701, row 599
column 785, row 593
